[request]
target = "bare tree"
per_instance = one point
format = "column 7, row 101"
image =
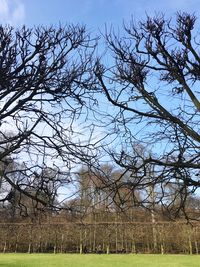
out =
column 153, row 86
column 45, row 87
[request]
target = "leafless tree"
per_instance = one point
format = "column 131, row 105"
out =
column 152, row 85
column 45, row 87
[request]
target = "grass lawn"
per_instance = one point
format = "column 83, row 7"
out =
column 89, row 260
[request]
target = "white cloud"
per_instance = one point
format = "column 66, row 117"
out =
column 12, row 12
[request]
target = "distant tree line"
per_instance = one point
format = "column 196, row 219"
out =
column 94, row 237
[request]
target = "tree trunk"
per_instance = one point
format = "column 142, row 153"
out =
column 29, row 248
column 190, row 244
column 5, row 247
column 81, row 242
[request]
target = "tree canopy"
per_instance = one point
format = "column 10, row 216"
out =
column 45, row 77
column 153, row 85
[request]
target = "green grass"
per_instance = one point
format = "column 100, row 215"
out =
column 75, row 260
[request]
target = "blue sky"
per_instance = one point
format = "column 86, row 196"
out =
column 93, row 13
